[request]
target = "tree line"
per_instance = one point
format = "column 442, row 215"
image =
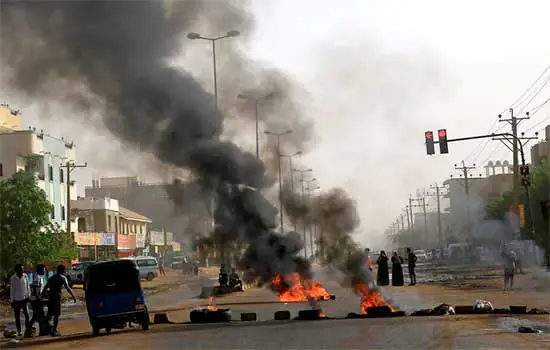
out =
column 539, row 194
column 27, row 233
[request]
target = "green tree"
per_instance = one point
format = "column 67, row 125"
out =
column 538, row 191
column 27, row 235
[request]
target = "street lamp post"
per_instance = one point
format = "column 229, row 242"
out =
column 310, row 225
column 302, row 172
column 314, row 226
column 278, row 135
column 306, row 196
column 197, row 36
column 290, row 156
column 213, row 40
column 256, row 101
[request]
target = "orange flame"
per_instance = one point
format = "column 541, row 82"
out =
column 370, row 298
column 210, row 305
column 292, row 288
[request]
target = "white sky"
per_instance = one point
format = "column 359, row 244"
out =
column 383, row 72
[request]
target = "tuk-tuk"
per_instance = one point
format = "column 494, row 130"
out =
column 114, row 296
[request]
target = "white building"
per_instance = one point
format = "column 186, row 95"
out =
column 39, row 153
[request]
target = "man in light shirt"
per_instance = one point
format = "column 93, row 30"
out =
column 19, row 295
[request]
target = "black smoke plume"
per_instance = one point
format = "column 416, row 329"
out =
column 113, row 55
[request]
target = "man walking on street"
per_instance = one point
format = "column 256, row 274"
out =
column 37, row 287
column 55, row 287
column 509, row 269
column 412, row 265
column 19, row 295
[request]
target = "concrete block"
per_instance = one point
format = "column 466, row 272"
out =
column 248, row 316
column 281, row 315
column 464, row 309
column 518, row 310
column 161, row 318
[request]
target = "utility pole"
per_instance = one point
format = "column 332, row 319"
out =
column 423, row 205
column 514, row 122
column 402, row 221
column 411, row 212
column 465, row 170
column 439, row 225
column 70, row 166
column 408, row 217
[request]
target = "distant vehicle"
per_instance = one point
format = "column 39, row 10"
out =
column 185, row 265
column 148, row 266
column 114, row 296
column 77, row 272
column 421, row 255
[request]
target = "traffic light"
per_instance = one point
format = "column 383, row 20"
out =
column 430, row 148
column 545, row 208
column 443, row 146
column 525, row 182
column 524, row 170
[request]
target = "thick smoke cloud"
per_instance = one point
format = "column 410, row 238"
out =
column 113, row 55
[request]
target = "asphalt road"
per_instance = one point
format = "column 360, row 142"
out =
column 453, row 332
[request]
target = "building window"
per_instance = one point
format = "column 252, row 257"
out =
column 140, row 229
column 1, row 170
column 53, row 212
column 50, row 173
column 81, row 225
column 116, row 224
column 62, row 213
column 109, row 223
column 61, row 175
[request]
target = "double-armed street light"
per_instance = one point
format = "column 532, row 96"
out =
column 256, row 100
column 278, row 135
column 302, row 181
column 213, row 40
column 290, row 156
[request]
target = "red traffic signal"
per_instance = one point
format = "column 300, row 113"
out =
column 443, row 146
column 430, row 147
column 525, row 182
column 524, row 170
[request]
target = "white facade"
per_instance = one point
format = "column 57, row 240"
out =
column 44, row 155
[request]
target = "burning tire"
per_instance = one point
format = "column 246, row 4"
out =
column 310, row 315
column 210, row 316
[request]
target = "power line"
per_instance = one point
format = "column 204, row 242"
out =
column 535, row 95
column 545, row 120
column 514, row 105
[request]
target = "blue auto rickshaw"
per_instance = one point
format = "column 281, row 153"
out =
column 114, row 296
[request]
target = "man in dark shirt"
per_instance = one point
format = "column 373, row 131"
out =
column 412, row 265
column 54, row 288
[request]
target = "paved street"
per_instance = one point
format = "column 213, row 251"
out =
column 458, row 332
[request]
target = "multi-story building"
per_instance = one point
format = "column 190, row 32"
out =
column 39, row 153
column 469, row 197
column 105, row 229
column 541, row 151
column 152, row 200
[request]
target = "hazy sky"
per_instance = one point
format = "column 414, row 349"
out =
column 383, row 72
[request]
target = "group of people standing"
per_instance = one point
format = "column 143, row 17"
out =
column 40, row 294
column 383, row 278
